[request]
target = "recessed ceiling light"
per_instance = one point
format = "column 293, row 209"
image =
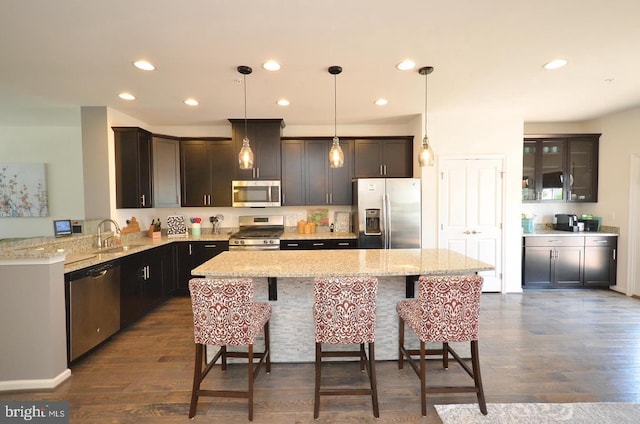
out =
column 144, row 65
column 555, row 64
column 381, row 102
column 126, row 96
column 283, row 102
column 271, row 65
column 191, row 102
column 406, row 65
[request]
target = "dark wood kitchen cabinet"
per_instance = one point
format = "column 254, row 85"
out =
column 191, row 254
column 560, row 168
column 384, row 157
column 207, row 168
column 326, row 185
column 141, row 283
column 166, row 171
column 553, row 262
column 573, row 261
column 134, row 167
column 307, row 177
column 294, row 173
column 316, row 244
column 264, row 137
column 600, row 261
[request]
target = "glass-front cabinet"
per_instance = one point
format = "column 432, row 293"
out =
column 560, row 168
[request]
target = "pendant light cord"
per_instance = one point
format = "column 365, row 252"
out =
column 425, row 103
column 244, row 85
column 335, row 107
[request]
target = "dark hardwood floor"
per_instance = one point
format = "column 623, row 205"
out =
column 541, row 346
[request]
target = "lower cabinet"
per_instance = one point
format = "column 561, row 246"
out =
column 191, row 254
column 142, row 282
column 600, row 256
column 569, row 261
column 307, row 244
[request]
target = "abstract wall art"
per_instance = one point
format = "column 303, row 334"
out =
column 23, row 190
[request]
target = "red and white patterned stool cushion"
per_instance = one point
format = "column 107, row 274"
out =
column 344, row 309
column 224, row 312
column 447, row 308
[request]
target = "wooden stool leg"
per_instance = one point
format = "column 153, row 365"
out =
column 197, row 378
column 475, row 363
column 250, row 389
column 401, row 344
column 373, row 381
column 423, row 372
column 316, row 401
column 445, row 355
column 267, row 348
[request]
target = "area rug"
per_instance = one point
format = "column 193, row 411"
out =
column 541, row 413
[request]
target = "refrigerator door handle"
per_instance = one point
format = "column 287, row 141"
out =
column 386, row 211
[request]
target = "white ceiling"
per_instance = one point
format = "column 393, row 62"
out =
column 487, row 54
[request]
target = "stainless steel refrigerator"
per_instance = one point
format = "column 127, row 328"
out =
column 387, row 213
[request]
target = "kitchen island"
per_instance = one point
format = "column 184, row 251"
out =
column 285, row 278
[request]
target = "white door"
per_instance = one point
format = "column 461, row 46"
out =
column 471, row 211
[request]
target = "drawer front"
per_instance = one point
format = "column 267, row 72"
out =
column 550, row 241
column 606, row 241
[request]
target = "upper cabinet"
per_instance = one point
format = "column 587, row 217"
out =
column 166, row 171
column 384, row 157
column 307, row 177
column 264, row 137
column 560, row 168
column 134, row 167
column 207, row 169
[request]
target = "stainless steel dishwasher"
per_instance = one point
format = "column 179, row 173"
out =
column 93, row 313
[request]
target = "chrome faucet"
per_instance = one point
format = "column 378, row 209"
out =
column 103, row 243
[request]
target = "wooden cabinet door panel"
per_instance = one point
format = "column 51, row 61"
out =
column 317, row 170
column 293, row 173
column 538, row 267
column 196, row 173
column 221, row 162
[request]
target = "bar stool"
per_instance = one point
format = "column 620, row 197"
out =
column 225, row 314
column 447, row 310
column 344, row 312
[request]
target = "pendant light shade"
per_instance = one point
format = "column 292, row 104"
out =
column 245, row 157
column 425, row 158
column 336, row 155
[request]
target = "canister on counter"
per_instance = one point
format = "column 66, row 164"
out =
column 301, row 225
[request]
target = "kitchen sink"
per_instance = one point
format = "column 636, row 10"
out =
column 118, row 249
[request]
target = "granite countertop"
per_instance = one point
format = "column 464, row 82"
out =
column 347, row 262
column 558, row 233
column 80, row 252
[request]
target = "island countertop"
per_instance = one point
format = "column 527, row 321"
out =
column 344, row 262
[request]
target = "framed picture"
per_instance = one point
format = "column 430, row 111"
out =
column 342, row 222
column 23, row 190
column 176, row 226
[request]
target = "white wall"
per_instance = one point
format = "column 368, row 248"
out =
column 60, row 148
column 477, row 132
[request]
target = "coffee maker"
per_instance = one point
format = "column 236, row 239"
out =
column 565, row 222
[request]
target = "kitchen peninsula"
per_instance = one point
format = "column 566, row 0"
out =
column 286, row 279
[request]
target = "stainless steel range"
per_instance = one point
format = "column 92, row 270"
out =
column 258, row 233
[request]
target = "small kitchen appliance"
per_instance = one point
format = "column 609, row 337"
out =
column 565, row 222
column 255, row 194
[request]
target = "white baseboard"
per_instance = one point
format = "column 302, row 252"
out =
column 50, row 383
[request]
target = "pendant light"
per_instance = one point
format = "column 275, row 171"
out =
column 426, row 154
column 245, row 157
column 336, row 156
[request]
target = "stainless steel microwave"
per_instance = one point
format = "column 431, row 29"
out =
column 255, row 193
